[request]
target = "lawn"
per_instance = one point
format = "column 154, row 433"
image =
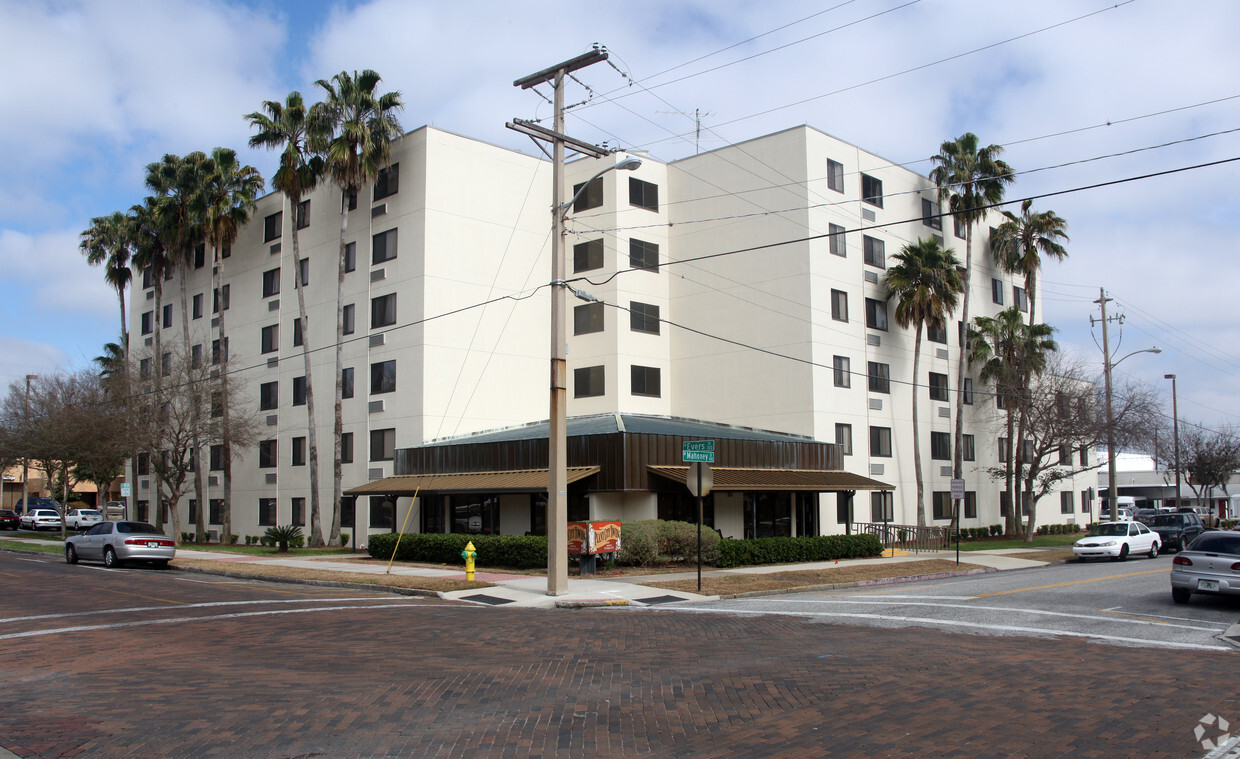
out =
column 257, row 550
column 1039, row 541
column 16, row 545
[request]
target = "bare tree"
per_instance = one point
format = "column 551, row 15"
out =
column 1208, row 458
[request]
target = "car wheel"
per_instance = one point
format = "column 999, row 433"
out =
column 110, row 560
column 71, row 556
column 1180, row 595
column 1123, row 553
column 1154, row 550
column 161, row 564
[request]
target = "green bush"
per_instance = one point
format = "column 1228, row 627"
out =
column 232, row 539
column 639, row 543
column 996, row 530
column 514, row 551
column 644, row 542
column 734, row 553
column 284, row 536
column 344, row 538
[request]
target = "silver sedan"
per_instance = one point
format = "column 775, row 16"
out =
column 1211, row 564
column 115, row 543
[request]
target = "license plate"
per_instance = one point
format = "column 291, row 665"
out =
column 1207, row 585
column 152, row 544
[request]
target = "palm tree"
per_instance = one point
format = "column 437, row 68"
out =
column 1020, row 242
column 926, row 285
column 112, row 361
column 288, row 127
column 356, row 133
column 230, row 194
column 969, row 178
column 106, row 243
column 1009, row 353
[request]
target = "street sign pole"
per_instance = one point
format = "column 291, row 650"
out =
column 699, row 528
column 701, row 454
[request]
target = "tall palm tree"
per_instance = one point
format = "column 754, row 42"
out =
column 1020, row 242
column 1008, row 352
column 230, row 195
column 357, row 129
column 926, row 285
column 112, row 361
column 287, row 127
column 106, row 243
column 969, row 178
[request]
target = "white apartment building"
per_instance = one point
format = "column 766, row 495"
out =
column 738, row 287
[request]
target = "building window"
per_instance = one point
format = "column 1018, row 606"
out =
column 1086, row 502
column 197, row 306
column 383, row 377
column 272, row 226
column 383, row 311
column 266, row 512
column 200, row 255
column 588, row 255
column 875, row 314
column 882, row 506
column 1084, row 456
column 271, row 338
column 195, row 356
column 303, row 214
column 880, row 377
column 1066, row 502
column 588, row 382
column 220, row 299
column 941, row 446
column 875, row 251
column 268, row 396
column 299, row 511
column 303, row 271
column 1019, row 299
column 167, row 316
column 960, row 227
column 383, row 247
column 880, row 442
column 349, row 201
column 388, row 182
column 165, row 365
column 937, row 333
column 219, row 351
column 299, row 451
column 643, row 194
column 267, row 450
column 968, row 391
column 843, row 438
column 839, row 305
column 588, row 318
column 1065, row 455
column 938, row 386
column 970, row 504
column 350, row 257
column 383, row 444
column 643, row 255
column 271, row 283
column 837, row 241
column 299, row 391
column 841, row 368
column 930, row 214
column 835, row 175
column 1003, row 450
column 346, row 448
column 996, row 291
column 148, row 322
column 967, row 450
column 643, row 317
column 645, row 380
column 872, row 190
column 348, row 319
column 346, row 382
column 592, row 197
column 942, row 504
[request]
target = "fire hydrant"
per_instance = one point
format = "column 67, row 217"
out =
column 468, row 555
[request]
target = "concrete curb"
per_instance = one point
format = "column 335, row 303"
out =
column 856, row 584
column 317, row 583
column 590, row 603
column 1232, row 636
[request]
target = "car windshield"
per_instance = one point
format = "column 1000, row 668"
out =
column 1169, row 520
column 136, row 527
column 1217, row 542
column 1108, row 530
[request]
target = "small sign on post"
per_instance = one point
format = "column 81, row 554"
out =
column 957, row 489
column 699, row 450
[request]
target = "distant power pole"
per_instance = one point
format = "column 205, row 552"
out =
column 697, row 121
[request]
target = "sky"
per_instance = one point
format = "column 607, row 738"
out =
column 1084, row 95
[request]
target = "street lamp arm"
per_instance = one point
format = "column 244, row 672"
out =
column 1130, row 355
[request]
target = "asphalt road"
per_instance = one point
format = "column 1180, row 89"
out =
column 147, row 663
column 1124, row 603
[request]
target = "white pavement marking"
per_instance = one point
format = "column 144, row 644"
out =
column 948, row 622
column 204, row 605
column 89, row 628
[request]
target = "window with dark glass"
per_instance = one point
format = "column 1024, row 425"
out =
column 591, row 198
column 996, row 291
column 843, row 438
column 298, row 337
column 936, row 333
column 942, row 504
column 167, row 315
column 383, row 377
column 299, row 451
column 195, row 356
column 266, row 512
column 587, row 381
column 350, row 257
column 1003, row 450
column 383, row 247
column 930, row 214
column 271, row 338
column 645, row 380
column 267, row 452
column 299, row 511
column 219, row 351
column 216, row 458
column 836, row 240
column 880, row 377
column 880, row 442
column 968, row 451
column 383, row 444
column 643, row 255
column 839, row 305
column 144, row 368
column 271, row 283
column 875, row 252
column 588, row 255
column 303, row 214
column 841, row 369
column 960, row 230
column 872, row 190
column 346, row 382
column 166, row 364
column 587, row 318
column 303, row 271
column 835, row 175
column 643, row 317
column 1067, row 503
column 268, row 396
column 272, row 226
column 388, row 182
column 383, row 311
column 938, row 386
column 346, row 448
column 970, row 504
column 200, row 255
column 1018, row 298
column 876, row 314
column 196, row 306
column 220, row 299
column 148, row 322
column 643, row 194
column 941, row 446
column 882, row 506
column 348, row 318
column 968, row 391
column 299, row 391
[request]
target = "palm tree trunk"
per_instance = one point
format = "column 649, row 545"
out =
column 962, row 361
column 312, row 439
column 1008, row 487
column 921, row 495
column 226, row 441
column 158, row 506
column 338, row 428
column 200, row 527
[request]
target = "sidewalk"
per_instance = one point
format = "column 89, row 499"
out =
column 530, row 591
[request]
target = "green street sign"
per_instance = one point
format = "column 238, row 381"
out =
column 707, row 457
column 699, row 445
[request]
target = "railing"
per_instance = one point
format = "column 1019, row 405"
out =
column 906, row 537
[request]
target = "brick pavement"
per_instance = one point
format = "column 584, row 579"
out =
column 441, row 680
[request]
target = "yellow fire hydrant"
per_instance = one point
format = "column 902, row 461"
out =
column 469, row 554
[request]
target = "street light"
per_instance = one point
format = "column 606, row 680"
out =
column 557, row 424
column 1107, row 366
column 1175, row 424
column 26, row 459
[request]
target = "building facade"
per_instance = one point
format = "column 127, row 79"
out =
column 740, row 287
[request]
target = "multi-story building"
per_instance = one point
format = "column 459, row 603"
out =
column 740, row 287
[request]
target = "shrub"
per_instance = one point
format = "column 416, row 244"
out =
column 232, row 539
column 283, row 536
column 515, row 551
column 639, row 543
column 344, row 538
column 733, row 553
column 996, row 530
column 644, row 542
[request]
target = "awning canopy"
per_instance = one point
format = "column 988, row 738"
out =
column 815, row 480
column 516, row 481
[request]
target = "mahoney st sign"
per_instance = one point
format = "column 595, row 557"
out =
column 699, row 450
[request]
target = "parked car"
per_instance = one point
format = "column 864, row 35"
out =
column 1177, row 530
column 41, row 519
column 36, row 502
column 9, row 520
column 1117, row 541
column 114, row 511
column 115, row 543
column 1210, row 565
column 81, row 519
column 1146, row 516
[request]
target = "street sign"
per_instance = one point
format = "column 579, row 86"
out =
column 699, row 479
column 699, row 450
column 957, row 489
column 125, row 490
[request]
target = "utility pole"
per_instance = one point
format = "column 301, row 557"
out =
column 1106, row 369
column 1175, row 430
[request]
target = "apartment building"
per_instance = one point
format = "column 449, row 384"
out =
column 740, row 288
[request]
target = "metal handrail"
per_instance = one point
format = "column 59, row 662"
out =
column 907, row 537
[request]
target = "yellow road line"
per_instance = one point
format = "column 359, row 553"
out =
column 1068, row 584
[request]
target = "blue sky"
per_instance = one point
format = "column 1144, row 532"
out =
column 97, row 90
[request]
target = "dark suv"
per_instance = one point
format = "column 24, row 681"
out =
column 1177, row 530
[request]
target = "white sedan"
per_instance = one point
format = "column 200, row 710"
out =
column 81, row 519
column 1117, row 541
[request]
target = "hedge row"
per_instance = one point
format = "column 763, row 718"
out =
column 735, row 553
column 512, row 551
